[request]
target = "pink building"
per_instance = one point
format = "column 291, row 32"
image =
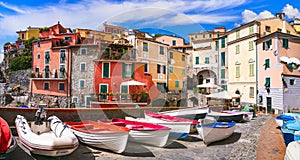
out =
column 278, row 71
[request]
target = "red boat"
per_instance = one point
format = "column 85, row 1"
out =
column 7, row 141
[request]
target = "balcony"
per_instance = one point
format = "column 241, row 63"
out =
column 46, row 76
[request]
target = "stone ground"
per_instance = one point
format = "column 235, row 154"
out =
column 241, row 145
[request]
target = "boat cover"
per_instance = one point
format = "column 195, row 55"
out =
column 5, row 136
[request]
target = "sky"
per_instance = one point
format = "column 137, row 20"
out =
column 180, row 17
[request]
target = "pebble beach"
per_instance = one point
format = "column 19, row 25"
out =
column 251, row 140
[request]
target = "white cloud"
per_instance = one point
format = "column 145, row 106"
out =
column 291, row 12
column 92, row 13
column 249, row 15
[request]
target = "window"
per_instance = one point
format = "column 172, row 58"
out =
column 237, row 71
column 182, row 58
column 146, row 68
column 237, row 34
column 23, row 35
column 38, row 44
column 222, row 73
column 173, row 42
column 69, row 39
column 268, row 82
column 108, row 30
column 81, row 83
column 196, row 36
column 251, row 45
column 267, row 45
column 268, row 28
column 251, row 69
column 292, row 81
column 197, row 60
column 47, row 57
column 103, row 91
column 37, row 70
column 82, row 66
column 74, row 99
column 218, row 35
column 206, row 60
column 217, row 45
column 222, row 42
column 279, row 29
column 161, row 69
column 161, row 50
column 237, row 49
column 124, row 90
column 87, row 101
column 203, row 36
column 267, row 63
column 251, row 92
column 115, row 31
column 171, row 69
column 127, row 70
column 145, row 46
column 171, row 55
column 285, row 43
column 61, row 86
column 62, row 56
column 105, row 70
column 251, row 29
column 83, row 50
column 176, row 84
column 223, row 59
column 183, row 72
column 47, row 71
column 209, row 35
column 288, row 32
column 38, row 56
column 46, row 86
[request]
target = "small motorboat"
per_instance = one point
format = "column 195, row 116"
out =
column 215, row 131
column 180, row 127
column 291, row 131
column 247, row 116
column 7, row 141
column 286, row 117
column 49, row 137
column 188, row 113
column 101, row 135
column 226, row 117
column 146, row 133
column 292, row 151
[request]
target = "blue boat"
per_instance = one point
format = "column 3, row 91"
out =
column 291, row 131
column 286, row 117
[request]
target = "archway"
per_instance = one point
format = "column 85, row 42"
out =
column 238, row 100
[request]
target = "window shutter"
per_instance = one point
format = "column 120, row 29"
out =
column 123, row 70
column 105, row 70
column 264, row 46
column 132, row 70
column 164, row 70
column 158, row 68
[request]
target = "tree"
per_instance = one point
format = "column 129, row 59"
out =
column 20, row 63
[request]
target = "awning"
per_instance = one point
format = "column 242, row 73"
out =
column 132, row 83
column 209, row 85
column 220, row 95
column 295, row 60
column 285, row 59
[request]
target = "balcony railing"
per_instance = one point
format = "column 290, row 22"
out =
column 118, row 56
column 48, row 76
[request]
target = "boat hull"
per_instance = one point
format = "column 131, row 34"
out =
column 50, row 143
column 209, row 134
column 225, row 117
column 292, row 151
column 155, row 138
column 7, row 142
column 189, row 113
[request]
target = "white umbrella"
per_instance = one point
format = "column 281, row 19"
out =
column 133, row 83
column 285, row 59
column 208, row 85
column 295, row 60
column 220, row 95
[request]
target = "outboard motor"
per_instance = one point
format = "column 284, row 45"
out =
column 40, row 115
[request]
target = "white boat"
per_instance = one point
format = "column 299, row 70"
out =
column 247, row 116
column 48, row 138
column 226, row 117
column 194, row 113
column 146, row 133
column 292, row 151
column 101, row 135
column 215, row 131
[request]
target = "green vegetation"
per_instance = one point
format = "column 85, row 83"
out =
column 20, row 63
column 44, row 29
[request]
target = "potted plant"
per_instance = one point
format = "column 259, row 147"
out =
column 272, row 111
column 144, row 96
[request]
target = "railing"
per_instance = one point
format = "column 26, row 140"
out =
column 118, row 56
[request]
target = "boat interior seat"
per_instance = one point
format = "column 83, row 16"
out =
column 40, row 128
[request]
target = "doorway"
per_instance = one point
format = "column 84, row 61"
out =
column 269, row 104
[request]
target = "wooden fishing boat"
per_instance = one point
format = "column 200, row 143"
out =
column 7, row 141
column 101, row 135
column 216, row 131
column 291, row 131
column 194, row 113
column 226, row 117
column 247, row 116
column 286, row 117
column 48, row 138
column 146, row 133
column 180, row 127
column 292, row 151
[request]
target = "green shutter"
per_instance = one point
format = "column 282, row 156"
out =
column 132, row 70
column 176, row 84
column 103, row 89
column 105, row 70
column 197, row 60
column 285, row 43
column 123, row 70
column 268, row 82
column 223, row 43
column 124, row 89
column 223, row 59
column 222, row 73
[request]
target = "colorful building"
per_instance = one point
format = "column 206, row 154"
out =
column 29, row 33
column 278, row 71
column 242, row 53
column 170, row 40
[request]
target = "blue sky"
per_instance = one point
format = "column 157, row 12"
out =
column 178, row 16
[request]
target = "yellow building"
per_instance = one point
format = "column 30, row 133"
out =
column 296, row 24
column 177, row 70
column 29, row 33
column 88, row 33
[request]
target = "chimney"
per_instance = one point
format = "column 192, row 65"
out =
column 280, row 15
